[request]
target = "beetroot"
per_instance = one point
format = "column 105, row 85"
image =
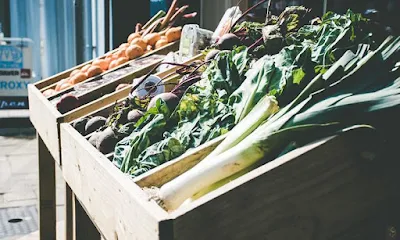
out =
column 94, row 123
column 169, row 98
column 67, row 103
column 106, row 140
column 211, row 54
column 134, row 115
column 94, row 138
column 80, row 124
column 228, row 41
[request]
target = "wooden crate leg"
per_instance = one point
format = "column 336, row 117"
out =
column 47, row 192
column 69, row 222
column 84, row 228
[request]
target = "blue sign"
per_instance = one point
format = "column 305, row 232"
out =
column 10, row 57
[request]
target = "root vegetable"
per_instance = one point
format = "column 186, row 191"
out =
column 160, row 43
column 49, row 92
column 102, row 63
column 140, row 42
column 85, row 68
column 67, row 103
column 228, row 41
column 152, row 38
column 169, row 98
column 134, row 115
column 124, row 45
column 106, row 141
column 76, row 71
column 80, row 124
column 94, row 138
column 122, row 60
column 173, row 34
column 94, row 123
column 134, row 51
column 65, row 86
column 133, row 36
column 94, row 71
column 113, row 64
column 61, row 82
column 211, row 54
column 77, row 78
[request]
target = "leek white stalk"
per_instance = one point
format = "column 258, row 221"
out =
column 265, row 108
column 244, row 154
column 261, row 144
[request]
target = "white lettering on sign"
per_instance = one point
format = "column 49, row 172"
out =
column 13, row 104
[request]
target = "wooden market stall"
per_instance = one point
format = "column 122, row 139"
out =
column 339, row 187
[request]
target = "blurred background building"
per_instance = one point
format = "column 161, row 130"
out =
column 68, row 32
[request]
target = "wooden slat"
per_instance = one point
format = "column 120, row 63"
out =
column 170, row 170
column 331, row 189
column 44, row 116
column 117, row 206
column 165, row 49
column 47, row 192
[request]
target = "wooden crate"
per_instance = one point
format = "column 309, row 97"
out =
column 46, row 118
column 336, row 188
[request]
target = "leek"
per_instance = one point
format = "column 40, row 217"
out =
column 261, row 144
column 265, row 108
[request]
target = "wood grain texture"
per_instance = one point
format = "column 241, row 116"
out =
column 170, row 170
column 116, row 205
column 44, row 116
column 328, row 190
column 47, row 192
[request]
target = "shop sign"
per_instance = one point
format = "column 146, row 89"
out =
column 15, row 73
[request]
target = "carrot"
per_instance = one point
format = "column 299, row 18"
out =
column 173, row 34
column 80, row 77
column 74, row 72
column 152, row 38
column 161, row 43
column 140, row 42
column 133, row 36
column 94, row 71
column 134, row 51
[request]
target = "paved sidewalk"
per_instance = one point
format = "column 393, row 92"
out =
column 19, row 176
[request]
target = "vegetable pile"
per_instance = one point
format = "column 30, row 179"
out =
column 268, row 88
column 231, row 85
column 162, row 29
column 332, row 76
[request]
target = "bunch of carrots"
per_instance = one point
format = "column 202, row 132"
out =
column 156, row 33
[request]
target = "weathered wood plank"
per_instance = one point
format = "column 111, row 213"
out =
column 117, row 206
column 44, row 118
